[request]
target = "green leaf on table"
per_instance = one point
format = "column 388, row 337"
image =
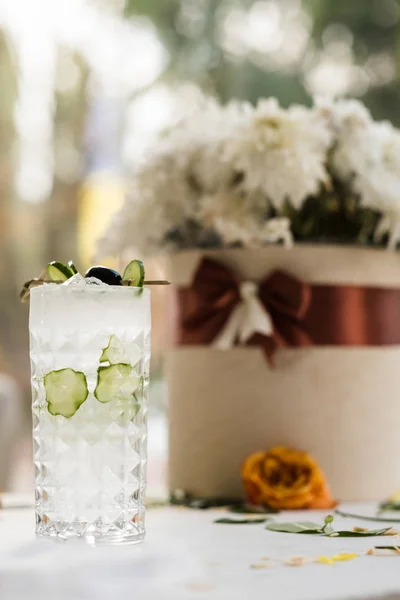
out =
column 367, row 533
column 297, row 527
column 348, row 515
column 229, row 521
column 326, row 529
column 252, row 509
column 389, row 505
column 182, row 498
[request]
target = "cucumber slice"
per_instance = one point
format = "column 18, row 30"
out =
column 116, row 381
column 72, row 267
column 58, row 271
column 114, row 352
column 117, row 352
column 134, row 273
column 66, row 391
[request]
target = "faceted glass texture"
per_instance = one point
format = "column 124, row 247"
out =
column 90, row 468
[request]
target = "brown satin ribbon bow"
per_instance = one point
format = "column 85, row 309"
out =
column 301, row 314
column 207, row 305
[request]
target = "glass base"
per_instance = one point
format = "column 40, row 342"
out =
column 111, row 539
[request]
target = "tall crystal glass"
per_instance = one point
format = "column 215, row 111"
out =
column 90, row 354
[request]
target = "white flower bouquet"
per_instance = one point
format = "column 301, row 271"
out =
column 246, row 176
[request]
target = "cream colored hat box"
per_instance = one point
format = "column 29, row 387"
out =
column 341, row 404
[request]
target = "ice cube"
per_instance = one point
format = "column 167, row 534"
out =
column 79, row 281
column 76, row 280
column 94, row 281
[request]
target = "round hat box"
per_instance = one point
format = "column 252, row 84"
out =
column 341, row 404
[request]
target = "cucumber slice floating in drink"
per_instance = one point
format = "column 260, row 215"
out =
column 117, row 352
column 116, row 381
column 134, row 273
column 66, row 391
column 57, row 271
column 113, row 352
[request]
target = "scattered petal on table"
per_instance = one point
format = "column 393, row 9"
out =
column 343, row 556
column 199, row 586
column 298, row 561
column 325, row 560
column 331, row 560
column 392, row 532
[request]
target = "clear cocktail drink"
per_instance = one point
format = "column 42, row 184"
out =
column 90, row 354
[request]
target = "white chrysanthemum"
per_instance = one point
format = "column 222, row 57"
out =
column 352, row 123
column 160, row 199
column 251, row 234
column 343, row 114
column 239, row 218
column 214, row 177
column 368, row 156
column 168, row 184
column 281, row 152
column 201, row 139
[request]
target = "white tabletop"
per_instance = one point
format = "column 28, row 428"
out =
column 187, row 556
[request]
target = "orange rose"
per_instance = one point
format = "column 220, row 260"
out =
column 285, row 479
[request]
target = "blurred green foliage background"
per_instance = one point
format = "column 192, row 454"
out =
column 206, row 44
